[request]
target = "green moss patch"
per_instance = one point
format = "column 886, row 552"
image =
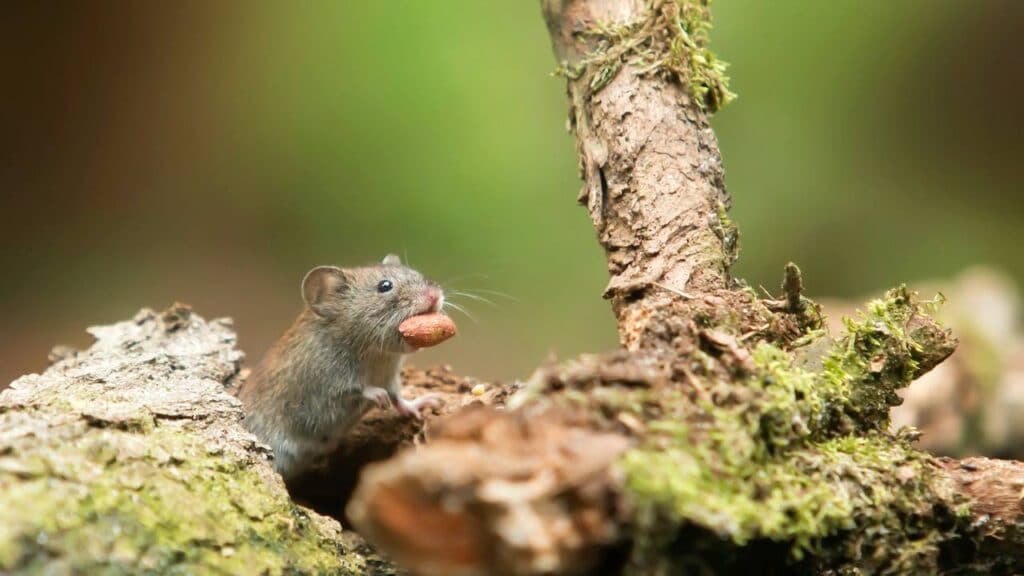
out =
column 671, row 38
column 793, row 454
column 104, row 501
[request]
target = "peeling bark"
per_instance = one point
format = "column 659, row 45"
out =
column 494, row 494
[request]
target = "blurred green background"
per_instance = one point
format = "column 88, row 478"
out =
column 211, row 152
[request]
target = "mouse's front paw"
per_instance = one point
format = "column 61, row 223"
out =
column 378, row 396
column 416, row 407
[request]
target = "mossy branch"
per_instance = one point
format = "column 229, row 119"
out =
column 731, row 434
column 782, row 465
column 670, row 38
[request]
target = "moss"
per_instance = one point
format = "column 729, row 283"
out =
column 884, row 350
column 106, row 505
column 672, row 38
column 795, row 458
column 691, row 59
column 812, row 495
column 802, row 457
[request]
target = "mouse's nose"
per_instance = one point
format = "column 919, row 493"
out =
column 434, row 299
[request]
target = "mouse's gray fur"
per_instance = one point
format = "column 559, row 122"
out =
column 340, row 357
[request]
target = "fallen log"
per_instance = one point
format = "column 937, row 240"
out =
column 129, row 458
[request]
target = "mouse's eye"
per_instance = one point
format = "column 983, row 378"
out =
column 384, row 286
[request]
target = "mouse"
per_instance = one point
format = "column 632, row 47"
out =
column 341, row 357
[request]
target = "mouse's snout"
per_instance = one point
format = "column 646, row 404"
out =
column 434, row 299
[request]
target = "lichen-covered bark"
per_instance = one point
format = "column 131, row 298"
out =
column 128, row 458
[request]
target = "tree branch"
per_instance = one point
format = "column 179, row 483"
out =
column 652, row 172
column 996, row 492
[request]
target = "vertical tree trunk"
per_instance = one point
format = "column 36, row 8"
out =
column 652, row 172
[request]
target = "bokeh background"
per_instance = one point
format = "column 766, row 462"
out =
column 211, row 152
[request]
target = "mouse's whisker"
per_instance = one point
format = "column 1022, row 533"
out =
column 494, row 293
column 460, row 309
column 378, row 336
column 472, row 296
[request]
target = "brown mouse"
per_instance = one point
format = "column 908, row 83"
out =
column 340, row 357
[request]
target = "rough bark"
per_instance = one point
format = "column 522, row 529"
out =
column 495, row 493
column 996, row 490
column 129, row 458
column 653, row 179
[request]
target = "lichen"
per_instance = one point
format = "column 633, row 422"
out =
column 96, row 505
column 671, row 38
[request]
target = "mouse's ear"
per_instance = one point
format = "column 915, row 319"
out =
column 392, row 260
column 318, row 285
